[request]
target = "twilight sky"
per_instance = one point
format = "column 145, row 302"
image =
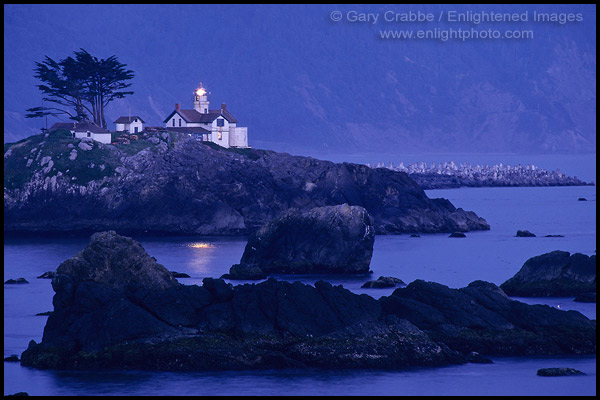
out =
column 322, row 77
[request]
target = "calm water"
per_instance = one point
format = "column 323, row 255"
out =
column 494, row 256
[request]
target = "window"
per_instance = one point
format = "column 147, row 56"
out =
column 136, row 129
column 179, row 121
column 173, row 121
column 89, row 134
column 220, row 136
column 205, row 110
column 220, row 122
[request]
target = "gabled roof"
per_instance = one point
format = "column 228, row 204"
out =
column 127, row 120
column 79, row 127
column 193, row 116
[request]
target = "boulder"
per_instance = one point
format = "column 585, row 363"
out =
column 324, row 240
column 559, row 372
column 12, row 358
column 557, row 273
column 47, row 275
column 383, row 282
column 582, row 199
column 525, row 233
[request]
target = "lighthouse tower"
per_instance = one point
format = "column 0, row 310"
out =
column 201, row 100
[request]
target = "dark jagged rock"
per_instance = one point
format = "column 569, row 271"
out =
column 588, row 297
column 383, row 282
column 559, row 372
column 482, row 318
column 582, row 199
column 557, row 273
column 160, row 190
column 525, row 233
column 153, row 322
column 17, row 281
column 47, row 275
column 457, row 235
column 333, row 239
column 19, row 394
column 12, row 358
column 554, row 236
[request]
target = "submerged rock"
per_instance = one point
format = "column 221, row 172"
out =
column 115, row 307
column 16, row 281
column 457, row 235
column 323, row 240
column 559, row 372
column 525, row 233
column 383, row 282
column 557, row 273
column 12, row 358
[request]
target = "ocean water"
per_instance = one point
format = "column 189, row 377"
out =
column 494, row 256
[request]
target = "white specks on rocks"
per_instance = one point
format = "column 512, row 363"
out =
column 73, row 155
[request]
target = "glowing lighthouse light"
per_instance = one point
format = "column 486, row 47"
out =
column 200, row 92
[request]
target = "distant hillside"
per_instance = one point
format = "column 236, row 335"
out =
column 171, row 184
column 300, row 81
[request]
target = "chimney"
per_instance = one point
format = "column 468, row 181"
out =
column 177, row 107
column 223, row 106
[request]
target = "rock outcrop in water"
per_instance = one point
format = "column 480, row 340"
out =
column 177, row 185
column 115, row 307
column 323, row 240
column 557, row 273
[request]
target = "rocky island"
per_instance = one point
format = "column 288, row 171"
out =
column 116, row 307
column 165, row 183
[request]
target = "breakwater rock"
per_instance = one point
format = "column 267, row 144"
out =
column 103, row 319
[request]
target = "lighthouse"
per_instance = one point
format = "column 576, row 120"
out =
column 201, row 100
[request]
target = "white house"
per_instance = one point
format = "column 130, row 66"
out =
column 133, row 124
column 217, row 125
column 84, row 129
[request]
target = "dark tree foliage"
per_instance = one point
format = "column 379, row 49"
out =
column 80, row 87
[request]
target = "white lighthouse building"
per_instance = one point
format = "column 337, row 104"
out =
column 217, row 125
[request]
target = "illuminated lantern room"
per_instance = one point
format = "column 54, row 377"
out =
column 201, row 102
